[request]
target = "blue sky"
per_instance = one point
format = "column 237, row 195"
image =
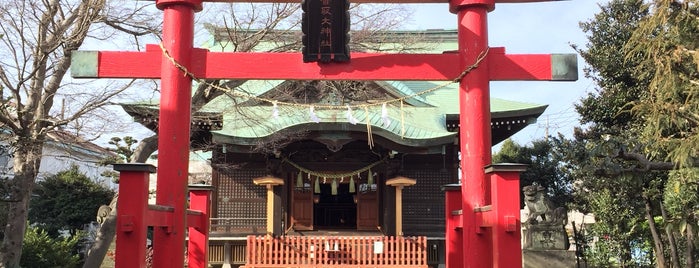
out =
column 547, row 27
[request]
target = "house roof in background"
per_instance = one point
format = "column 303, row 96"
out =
column 76, row 143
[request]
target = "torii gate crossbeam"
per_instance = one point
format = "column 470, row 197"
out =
column 364, row 66
column 482, row 245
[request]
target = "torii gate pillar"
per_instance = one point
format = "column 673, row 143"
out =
column 475, row 131
column 173, row 129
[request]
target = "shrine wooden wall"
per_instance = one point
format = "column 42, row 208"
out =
column 239, row 205
column 423, row 203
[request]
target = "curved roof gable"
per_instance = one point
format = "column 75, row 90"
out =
column 422, row 121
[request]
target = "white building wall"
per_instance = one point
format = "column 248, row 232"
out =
column 199, row 170
column 56, row 158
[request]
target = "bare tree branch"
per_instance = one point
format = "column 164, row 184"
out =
column 643, row 164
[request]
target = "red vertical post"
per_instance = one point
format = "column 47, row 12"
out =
column 453, row 235
column 131, row 226
column 475, row 140
column 507, row 239
column 173, row 128
column 198, row 245
column 474, row 133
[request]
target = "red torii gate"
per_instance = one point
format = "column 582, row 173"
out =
column 488, row 236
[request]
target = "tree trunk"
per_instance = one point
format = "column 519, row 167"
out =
column 144, row 149
column 690, row 244
column 105, row 235
column 674, row 256
column 27, row 159
column 660, row 261
column 103, row 238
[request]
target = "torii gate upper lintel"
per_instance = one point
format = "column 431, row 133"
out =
column 485, row 240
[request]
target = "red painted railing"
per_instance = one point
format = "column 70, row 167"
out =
column 321, row 251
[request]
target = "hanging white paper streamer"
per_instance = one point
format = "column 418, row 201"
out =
column 384, row 116
column 333, row 187
column 316, row 187
column 275, row 111
column 351, row 118
column 313, row 115
column 352, row 187
column 299, row 180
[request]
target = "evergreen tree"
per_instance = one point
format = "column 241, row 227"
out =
column 635, row 158
column 542, row 168
column 67, row 201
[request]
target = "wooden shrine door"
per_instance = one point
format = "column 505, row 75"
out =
column 367, row 207
column 302, row 207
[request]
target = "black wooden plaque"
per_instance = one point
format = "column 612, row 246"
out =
column 325, row 27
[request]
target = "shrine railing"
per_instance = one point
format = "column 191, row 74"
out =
column 321, row 251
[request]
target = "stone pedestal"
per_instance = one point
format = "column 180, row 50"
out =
column 546, row 245
column 545, row 237
column 548, row 258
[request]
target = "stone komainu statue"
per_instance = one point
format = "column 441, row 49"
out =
column 540, row 207
column 103, row 213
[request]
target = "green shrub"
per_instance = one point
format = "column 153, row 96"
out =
column 41, row 250
column 66, row 201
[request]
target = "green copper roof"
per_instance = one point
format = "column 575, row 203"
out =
column 250, row 123
column 421, row 122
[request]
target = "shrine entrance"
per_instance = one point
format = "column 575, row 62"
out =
column 343, row 211
column 338, row 211
column 333, row 191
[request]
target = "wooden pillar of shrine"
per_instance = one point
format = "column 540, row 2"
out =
column 399, row 183
column 269, row 182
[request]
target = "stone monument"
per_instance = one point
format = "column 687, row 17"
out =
column 546, row 241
